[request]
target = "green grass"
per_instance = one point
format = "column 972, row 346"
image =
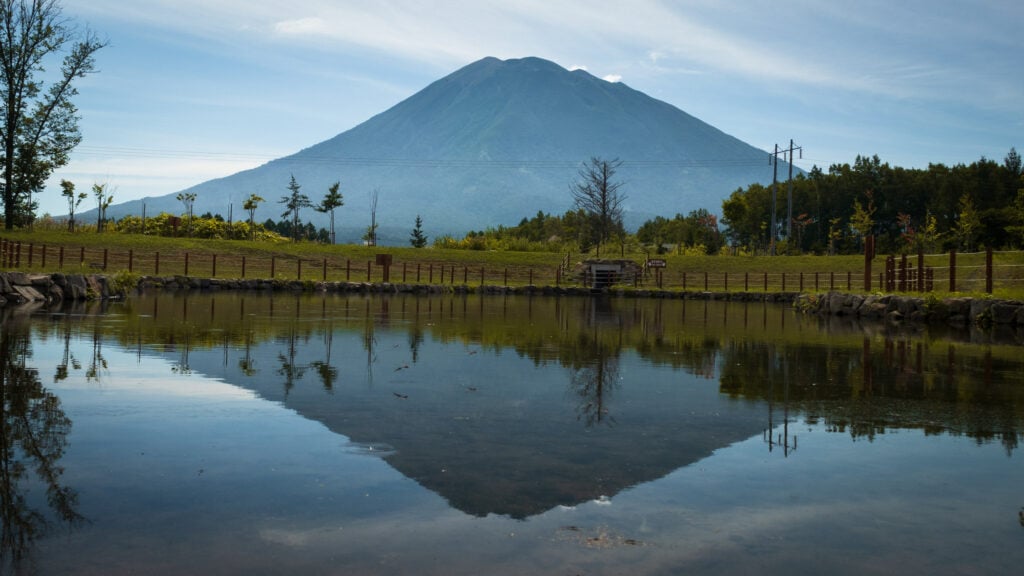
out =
column 152, row 255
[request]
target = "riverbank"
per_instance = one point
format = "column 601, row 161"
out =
column 19, row 288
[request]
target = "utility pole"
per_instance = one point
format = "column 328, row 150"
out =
column 774, row 158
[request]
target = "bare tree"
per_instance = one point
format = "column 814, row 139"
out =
column 597, row 194
column 371, row 231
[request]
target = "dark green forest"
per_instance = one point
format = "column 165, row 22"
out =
column 964, row 207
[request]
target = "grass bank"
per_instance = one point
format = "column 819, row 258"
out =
column 51, row 251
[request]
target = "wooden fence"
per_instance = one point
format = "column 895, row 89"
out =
column 952, row 272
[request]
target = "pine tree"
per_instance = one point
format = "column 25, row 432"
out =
column 417, row 238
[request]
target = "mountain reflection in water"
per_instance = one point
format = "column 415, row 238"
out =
column 516, row 406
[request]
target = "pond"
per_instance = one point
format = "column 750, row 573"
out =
column 453, row 434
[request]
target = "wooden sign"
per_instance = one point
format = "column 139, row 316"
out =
column 656, row 263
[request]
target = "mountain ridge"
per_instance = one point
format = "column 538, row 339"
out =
column 490, row 144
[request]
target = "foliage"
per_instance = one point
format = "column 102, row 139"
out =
column 416, row 238
column 207, row 227
column 38, row 125
column 698, row 228
column 74, row 200
column 967, row 223
column 188, row 199
column 294, row 202
column 103, row 201
column 542, row 233
column 830, row 200
column 332, row 201
column 250, row 205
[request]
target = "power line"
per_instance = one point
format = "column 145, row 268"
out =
column 407, row 162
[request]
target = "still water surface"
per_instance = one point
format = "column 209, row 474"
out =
column 501, row 435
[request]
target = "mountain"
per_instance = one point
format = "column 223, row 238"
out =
column 492, row 143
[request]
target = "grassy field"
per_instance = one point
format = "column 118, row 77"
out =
column 152, row 255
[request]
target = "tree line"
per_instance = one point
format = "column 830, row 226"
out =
column 965, row 207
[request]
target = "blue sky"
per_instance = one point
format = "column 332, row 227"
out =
column 190, row 90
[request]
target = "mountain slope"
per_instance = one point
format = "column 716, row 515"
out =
column 492, row 143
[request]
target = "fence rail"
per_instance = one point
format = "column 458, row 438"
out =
column 977, row 272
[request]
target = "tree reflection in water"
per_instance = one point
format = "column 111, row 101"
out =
column 33, row 437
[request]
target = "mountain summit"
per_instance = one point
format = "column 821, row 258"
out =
column 492, row 143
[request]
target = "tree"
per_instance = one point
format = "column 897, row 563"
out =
column 188, row 199
column 1012, row 162
column 598, row 196
column 38, row 125
column 371, row 231
column 417, row 239
column 331, row 201
column 293, row 203
column 862, row 221
column 967, row 222
column 68, row 191
column 103, row 201
column 250, row 205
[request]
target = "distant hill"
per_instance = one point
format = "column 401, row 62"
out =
column 492, row 143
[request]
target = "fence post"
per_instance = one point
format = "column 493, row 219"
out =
column 481, row 275
column 869, row 254
column 213, row 272
column 348, row 269
column 156, row 265
column 273, row 266
column 60, row 259
column 920, row 268
column 430, row 271
column 465, row 274
column 705, row 280
column 105, row 259
column 186, row 263
column 849, row 281
column 369, row 270
column 325, row 271
column 725, row 279
column 988, row 270
column 801, row 281
column 417, row 272
column 746, row 281
column 403, row 272
column 952, row 270
column 765, row 281
column 31, row 249
column 684, row 281
column 44, row 255
column 531, row 276
column 506, row 276
column 81, row 260
column 832, row 281
column 298, row 268
column 131, row 257
column 243, row 266
column 783, row 281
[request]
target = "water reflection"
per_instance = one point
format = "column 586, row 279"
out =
column 519, row 407
column 33, row 440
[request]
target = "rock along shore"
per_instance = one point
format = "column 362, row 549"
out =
column 20, row 288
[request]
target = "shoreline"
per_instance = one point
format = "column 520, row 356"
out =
column 20, row 288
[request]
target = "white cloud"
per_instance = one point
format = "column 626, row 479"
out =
column 301, row 27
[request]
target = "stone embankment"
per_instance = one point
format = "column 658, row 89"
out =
column 20, row 288
column 957, row 311
column 17, row 288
